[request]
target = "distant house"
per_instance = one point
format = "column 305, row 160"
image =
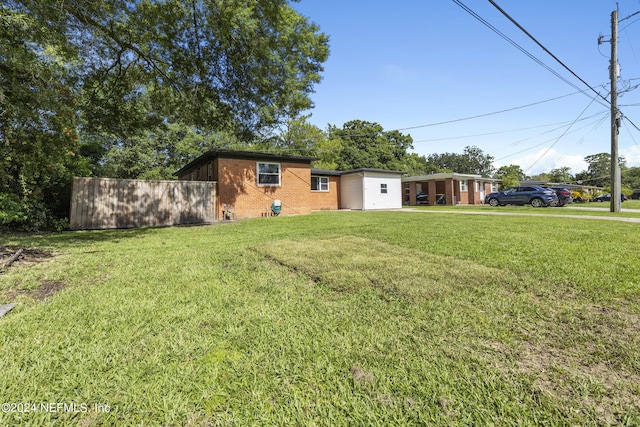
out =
column 447, row 189
column 249, row 182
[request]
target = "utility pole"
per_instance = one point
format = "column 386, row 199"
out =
column 614, row 72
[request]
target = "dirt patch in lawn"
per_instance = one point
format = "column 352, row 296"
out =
column 41, row 293
column 13, row 257
column 350, row 264
column 24, row 255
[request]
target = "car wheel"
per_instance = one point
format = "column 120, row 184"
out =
column 537, row 203
column 494, row 202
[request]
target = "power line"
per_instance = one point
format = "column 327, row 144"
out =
column 492, row 113
column 563, row 124
column 597, row 124
column 546, row 50
column 517, row 46
column 563, row 134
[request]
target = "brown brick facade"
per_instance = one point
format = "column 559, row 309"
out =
column 238, row 186
column 239, row 191
column 327, row 200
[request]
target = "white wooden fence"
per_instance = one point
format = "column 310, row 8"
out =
column 100, row 203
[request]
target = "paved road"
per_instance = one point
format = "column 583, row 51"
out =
column 497, row 212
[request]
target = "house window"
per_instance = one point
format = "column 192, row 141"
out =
column 319, row 183
column 494, row 187
column 383, row 188
column 198, row 174
column 268, row 174
column 209, row 174
column 190, row 176
column 464, row 185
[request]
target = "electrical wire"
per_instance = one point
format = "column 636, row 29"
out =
column 520, row 48
column 546, row 50
column 563, row 124
column 490, row 114
column 631, row 136
column 596, row 125
column 563, row 134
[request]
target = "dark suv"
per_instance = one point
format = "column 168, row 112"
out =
column 564, row 196
column 534, row 195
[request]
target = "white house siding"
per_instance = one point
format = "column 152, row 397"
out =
column 374, row 198
column 351, row 191
column 361, row 190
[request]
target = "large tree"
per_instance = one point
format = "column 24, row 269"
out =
column 598, row 172
column 472, row 161
column 244, row 64
column 104, row 77
column 38, row 116
column 510, row 175
column 631, row 177
column 366, row 145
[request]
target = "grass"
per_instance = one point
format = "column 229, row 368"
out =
column 340, row 318
column 629, row 209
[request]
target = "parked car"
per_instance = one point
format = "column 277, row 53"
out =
column 607, row 198
column 564, row 196
column 422, row 198
column 635, row 195
column 534, row 195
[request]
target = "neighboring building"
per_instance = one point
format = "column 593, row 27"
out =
column 249, row 182
column 447, row 189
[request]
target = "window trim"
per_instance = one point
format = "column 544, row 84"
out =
column 320, row 182
column 384, row 188
column 258, row 174
column 464, row 185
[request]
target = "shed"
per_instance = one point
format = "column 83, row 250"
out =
column 369, row 189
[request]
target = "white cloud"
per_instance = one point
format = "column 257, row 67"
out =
column 631, row 155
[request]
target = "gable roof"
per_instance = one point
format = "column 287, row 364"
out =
column 247, row 155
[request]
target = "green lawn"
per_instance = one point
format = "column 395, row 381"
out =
column 336, row 318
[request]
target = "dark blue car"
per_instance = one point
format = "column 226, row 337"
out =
column 533, row 195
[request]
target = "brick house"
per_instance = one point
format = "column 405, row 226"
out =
column 447, row 189
column 250, row 182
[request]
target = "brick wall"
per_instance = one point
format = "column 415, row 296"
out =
column 327, row 200
column 238, row 187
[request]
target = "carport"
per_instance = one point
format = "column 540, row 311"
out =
column 448, row 188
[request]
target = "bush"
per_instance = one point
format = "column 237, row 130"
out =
column 29, row 214
column 581, row 196
column 10, row 210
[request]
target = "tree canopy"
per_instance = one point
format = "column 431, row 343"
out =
column 365, row 144
column 131, row 88
column 472, row 161
column 510, row 175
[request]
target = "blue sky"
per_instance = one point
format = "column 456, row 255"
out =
column 416, row 63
